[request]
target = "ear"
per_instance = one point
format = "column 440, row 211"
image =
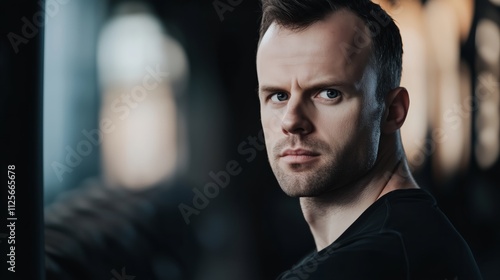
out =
column 397, row 103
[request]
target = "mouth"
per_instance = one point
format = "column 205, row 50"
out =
column 294, row 156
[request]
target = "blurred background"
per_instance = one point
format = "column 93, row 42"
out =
column 137, row 93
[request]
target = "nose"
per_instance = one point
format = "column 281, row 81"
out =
column 296, row 120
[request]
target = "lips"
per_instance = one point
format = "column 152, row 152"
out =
column 298, row 152
column 295, row 156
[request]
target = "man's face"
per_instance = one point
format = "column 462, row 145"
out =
column 319, row 111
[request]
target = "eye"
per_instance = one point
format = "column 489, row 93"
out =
column 279, row 97
column 329, row 93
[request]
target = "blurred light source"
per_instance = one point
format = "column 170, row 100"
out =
column 139, row 66
column 495, row 2
column 131, row 42
column 488, row 120
column 488, row 41
column 445, row 25
column 466, row 91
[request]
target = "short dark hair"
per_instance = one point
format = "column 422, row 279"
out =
column 387, row 46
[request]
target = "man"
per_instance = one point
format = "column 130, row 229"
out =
column 331, row 108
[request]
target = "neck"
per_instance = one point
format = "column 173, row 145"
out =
column 329, row 215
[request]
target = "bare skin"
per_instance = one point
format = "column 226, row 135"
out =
column 329, row 141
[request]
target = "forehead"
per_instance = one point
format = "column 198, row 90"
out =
column 336, row 45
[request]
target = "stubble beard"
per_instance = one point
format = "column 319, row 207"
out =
column 332, row 175
column 307, row 183
column 302, row 180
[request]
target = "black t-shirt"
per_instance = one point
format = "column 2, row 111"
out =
column 403, row 235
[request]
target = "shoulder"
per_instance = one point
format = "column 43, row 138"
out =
column 432, row 244
column 378, row 256
column 415, row 215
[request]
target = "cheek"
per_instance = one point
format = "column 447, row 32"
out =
column 268, row 127
column 271, row 123
column 339, row 126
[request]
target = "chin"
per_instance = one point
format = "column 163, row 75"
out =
column 299, row 190
column 293, row 192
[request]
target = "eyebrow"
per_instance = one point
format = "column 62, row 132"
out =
column 315, row 87
column 269, row 89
